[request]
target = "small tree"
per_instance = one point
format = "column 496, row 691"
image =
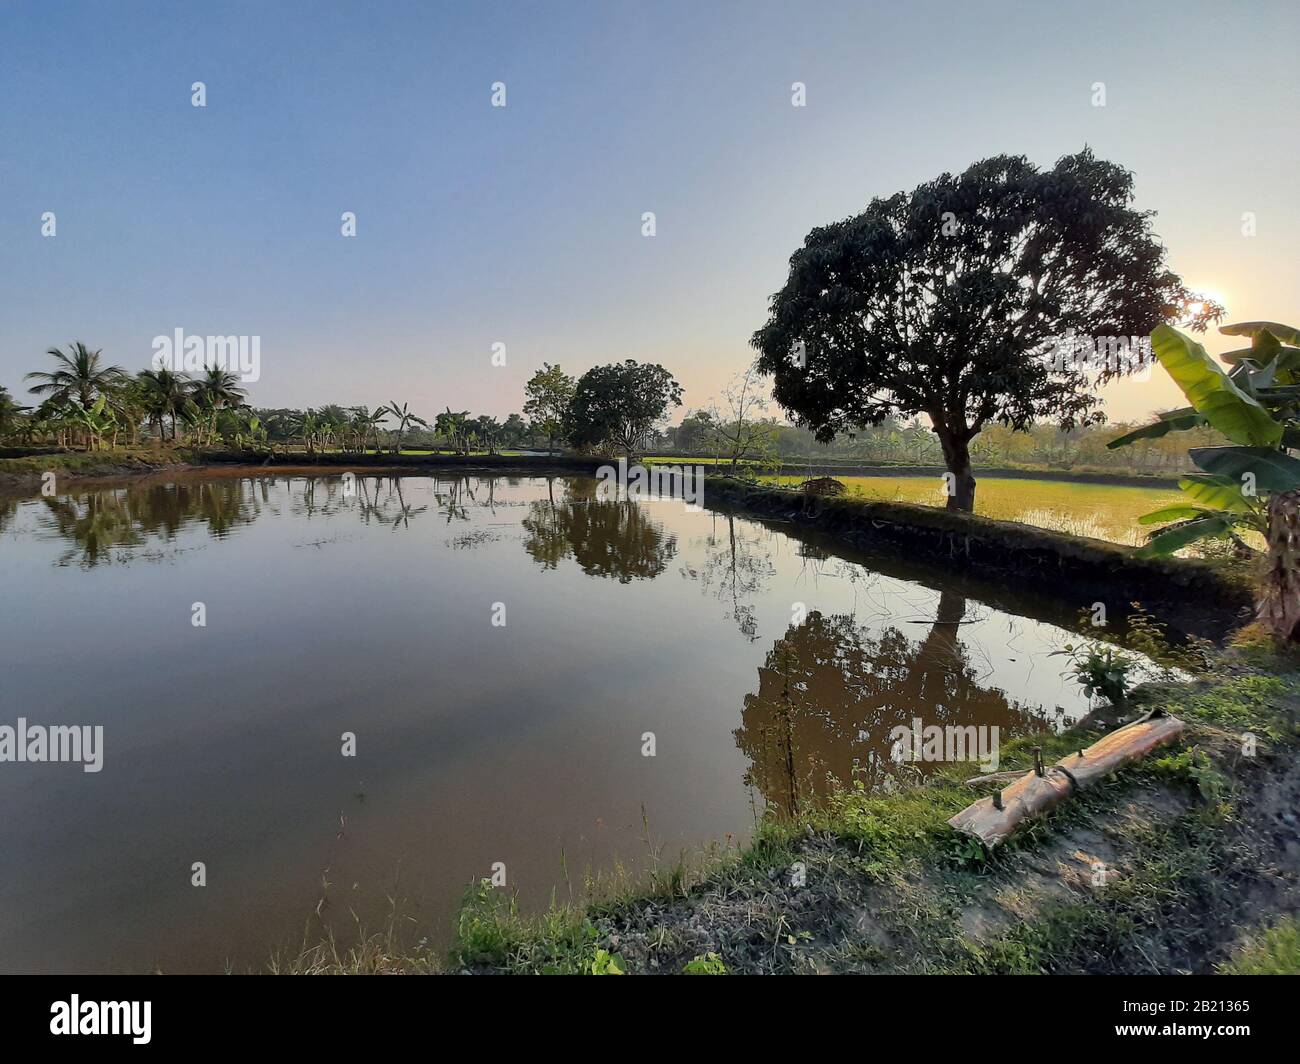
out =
column 618, row 405
column 940, row 302
column 741, row 431
column 548, row 394
column 697, row 430
column 513, row 431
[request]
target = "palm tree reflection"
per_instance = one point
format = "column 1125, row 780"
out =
column 100, row 523
column 111, row 524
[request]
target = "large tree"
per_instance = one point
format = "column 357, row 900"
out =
column 619, row 404
column 941, row 302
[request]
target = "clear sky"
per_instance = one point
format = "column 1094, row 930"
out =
column 523, row 224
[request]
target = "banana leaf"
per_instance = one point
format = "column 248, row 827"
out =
column 1211, row 393
column 1288, row 334
column 1173, row 421
column 1216, row 493
column 1178, row 537
column 1177, row 512
column 1274, row 471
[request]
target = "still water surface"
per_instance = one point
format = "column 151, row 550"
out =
column 763, row 664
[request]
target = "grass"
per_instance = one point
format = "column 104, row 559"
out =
column 1273, row 951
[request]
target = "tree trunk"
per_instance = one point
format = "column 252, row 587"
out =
column 1279, row 605
column 960, row 479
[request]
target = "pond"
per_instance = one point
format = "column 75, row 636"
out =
column 502, row 652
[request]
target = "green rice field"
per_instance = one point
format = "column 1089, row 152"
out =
column 1101, row 511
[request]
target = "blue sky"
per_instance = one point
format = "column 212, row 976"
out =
column 523, row 224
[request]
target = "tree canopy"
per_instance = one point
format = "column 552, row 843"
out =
column 941, row 302
column 619, row 404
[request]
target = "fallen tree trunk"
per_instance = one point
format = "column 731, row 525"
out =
column 992, row 819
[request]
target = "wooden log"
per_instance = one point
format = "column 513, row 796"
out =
column 992, row 819
column 995, row 777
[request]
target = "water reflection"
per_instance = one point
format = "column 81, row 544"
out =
column 619, row 540
column 474, row 747
column 97, row 524
column 830, row 692
column 605, row 537
column 735, row 567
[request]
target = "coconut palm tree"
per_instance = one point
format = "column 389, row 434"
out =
column 80, row 376
column 215, row 391
column 165, row 394
column 9, row 411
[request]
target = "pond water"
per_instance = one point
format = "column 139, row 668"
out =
column 498, row 647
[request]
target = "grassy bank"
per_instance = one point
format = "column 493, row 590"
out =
column 25, row 472
column 28, row 470
column 1185, row 862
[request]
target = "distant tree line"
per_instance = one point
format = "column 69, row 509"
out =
column 898, row 442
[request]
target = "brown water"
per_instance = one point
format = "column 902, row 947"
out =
column 762, row 664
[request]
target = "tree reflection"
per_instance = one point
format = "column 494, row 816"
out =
column 830, row 693
column 385, row 507
column 100, row 523
column 605, row 537
column 735, row 566
column 97, row 523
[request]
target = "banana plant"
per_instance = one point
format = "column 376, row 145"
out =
column 405, row 419
column 96, row 420
column 1253, row 484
